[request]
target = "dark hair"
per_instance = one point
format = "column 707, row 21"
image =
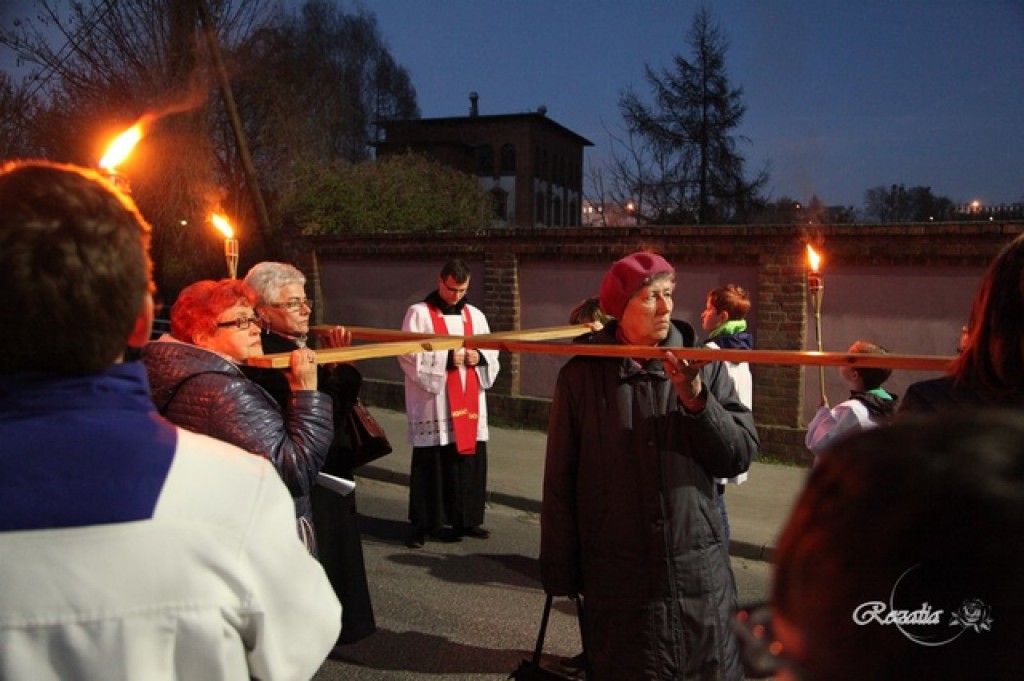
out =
column 730, row 298
column 992, row 362
column 932, row 504
column 872, row 377
column 588, row 310
column 74, row 257
column 457, row 269
column 198, row 306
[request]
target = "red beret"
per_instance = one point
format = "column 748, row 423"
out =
column 625, row 278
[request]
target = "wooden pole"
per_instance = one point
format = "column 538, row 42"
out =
column 210, row 31
column 356, row 352
column 370, row 333
column 526, row 341
column 909, row 362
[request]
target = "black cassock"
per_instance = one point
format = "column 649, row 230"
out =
column 335, row 518
column 447, row 488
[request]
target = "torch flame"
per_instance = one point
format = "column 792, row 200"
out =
column 121, row 147
column 221, row 223
column 813, row 258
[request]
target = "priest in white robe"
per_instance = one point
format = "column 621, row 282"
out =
column 446, row 408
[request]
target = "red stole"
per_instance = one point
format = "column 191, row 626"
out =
column 464, row 402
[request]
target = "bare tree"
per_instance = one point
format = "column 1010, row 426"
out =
column 103, row 66
column 16, row 111
column 308, row 85
column 680, row 160
column 313, row 85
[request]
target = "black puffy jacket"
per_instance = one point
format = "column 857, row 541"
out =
column 201, row 391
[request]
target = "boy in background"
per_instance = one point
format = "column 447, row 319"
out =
column 724, row 320
column 869, row 404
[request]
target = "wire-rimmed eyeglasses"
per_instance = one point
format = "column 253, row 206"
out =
column 242, row 323
column 763, row 654
column 293, row 305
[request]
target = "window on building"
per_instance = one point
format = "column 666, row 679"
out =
column 538, row 211
column 573, row 219
column 499, row 203
column 556, row 211
column 508, row 159
column 485, row 156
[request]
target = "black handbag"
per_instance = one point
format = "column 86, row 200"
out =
column 531, row 669
column 369, row 441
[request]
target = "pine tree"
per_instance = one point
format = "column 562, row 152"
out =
column 681, row 162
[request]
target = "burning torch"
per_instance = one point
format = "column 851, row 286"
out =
column 230, row 243
column 117, row 152
column 816, row 287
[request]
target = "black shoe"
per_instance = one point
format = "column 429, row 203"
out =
column 351, row 635
column 446, row 535
column 474, row 532
column 417, row 539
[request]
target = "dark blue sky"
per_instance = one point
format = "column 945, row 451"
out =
column 841, row 96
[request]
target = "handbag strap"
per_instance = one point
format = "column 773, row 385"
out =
column 583, row 639
column 539, row 648
column 543, row 630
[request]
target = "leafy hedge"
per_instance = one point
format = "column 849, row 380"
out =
column 397, row 193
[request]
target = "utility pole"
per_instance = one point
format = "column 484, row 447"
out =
column 236, row 122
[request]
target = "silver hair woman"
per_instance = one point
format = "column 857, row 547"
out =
column 282, row 304
column 281, row 300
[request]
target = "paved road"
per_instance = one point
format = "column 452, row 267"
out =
column 515, row 476
column 467, row 610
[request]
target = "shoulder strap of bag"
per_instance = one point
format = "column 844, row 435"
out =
column 543, row 630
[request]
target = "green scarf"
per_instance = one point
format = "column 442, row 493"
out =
column 880, row 394
column 729, row 328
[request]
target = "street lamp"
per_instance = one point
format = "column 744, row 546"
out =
column 632, row 210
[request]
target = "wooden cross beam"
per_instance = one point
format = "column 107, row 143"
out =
column 528, row 341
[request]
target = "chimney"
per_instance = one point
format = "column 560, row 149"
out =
column 473, row 98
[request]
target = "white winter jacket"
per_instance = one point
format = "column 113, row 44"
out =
column 215, row 585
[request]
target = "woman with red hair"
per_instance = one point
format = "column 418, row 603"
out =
column 196, row 382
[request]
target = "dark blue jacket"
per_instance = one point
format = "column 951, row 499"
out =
column 80, row 450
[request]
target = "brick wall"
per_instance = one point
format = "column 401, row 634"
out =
column 775, row 253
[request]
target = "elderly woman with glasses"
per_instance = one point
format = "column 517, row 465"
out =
column 197, row 383
column 284, row 309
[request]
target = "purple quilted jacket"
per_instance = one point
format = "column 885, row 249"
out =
column 203, row 392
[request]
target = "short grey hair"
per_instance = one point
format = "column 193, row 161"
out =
column 268, row 278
